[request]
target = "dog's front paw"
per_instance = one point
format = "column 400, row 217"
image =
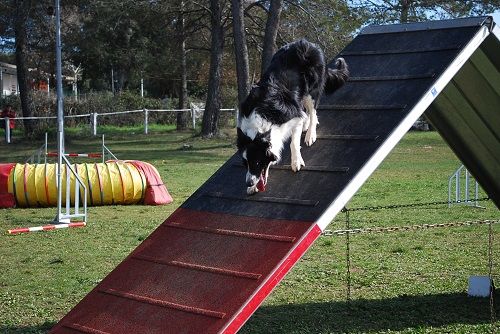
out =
column 310, row 137
column 252, row 190
column 297, row 163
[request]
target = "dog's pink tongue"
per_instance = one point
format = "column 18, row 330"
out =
column 261, row 185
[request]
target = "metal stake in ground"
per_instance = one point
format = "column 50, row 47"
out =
column 348, row 254
column 490, row 272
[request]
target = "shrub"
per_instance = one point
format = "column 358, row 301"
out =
column 45, row 106
column 106, row 102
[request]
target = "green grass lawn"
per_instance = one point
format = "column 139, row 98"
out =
column 405, row 282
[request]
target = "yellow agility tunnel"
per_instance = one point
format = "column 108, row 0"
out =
column 112, row 182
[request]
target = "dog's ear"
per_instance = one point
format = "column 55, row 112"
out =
column 242, row 140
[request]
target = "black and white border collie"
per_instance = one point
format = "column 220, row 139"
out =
column 282, row 105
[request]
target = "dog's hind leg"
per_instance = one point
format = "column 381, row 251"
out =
column 297, row 161
column 312, row 120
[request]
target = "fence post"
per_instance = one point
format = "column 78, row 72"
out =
column 103, row 152
column 236, row 115
column 145, row 121
column 7, row 130
column 193, row 117
column 45, row 148
column 93, row 123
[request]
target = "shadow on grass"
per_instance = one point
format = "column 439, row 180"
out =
column 41, row 329
column 371, row 315
column 357, row 316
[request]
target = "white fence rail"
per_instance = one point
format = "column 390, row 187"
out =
column 194, row 114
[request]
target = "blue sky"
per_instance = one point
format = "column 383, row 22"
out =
column 496, row 17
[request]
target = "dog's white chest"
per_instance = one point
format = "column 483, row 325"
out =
column 254, row 124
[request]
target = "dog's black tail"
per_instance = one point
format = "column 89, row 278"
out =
column 336, row 77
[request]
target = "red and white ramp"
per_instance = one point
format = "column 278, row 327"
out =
column 209, row 266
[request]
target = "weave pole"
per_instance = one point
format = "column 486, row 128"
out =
column 45, row 227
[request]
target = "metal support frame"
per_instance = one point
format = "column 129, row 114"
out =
column 61, row 159
column 35, row 158
column 106, row 150
column 461, row 180
column 66, row 216
column 80, row 205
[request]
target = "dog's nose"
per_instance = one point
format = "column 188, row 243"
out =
column 251, row 179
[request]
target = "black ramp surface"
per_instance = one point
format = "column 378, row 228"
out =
column 390, row 73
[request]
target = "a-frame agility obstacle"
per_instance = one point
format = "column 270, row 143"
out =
column 210, row 265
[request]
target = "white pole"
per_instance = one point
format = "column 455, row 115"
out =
column 7, row 130
column 145, row 121
column 75, row 87
column 466, row 187
column 48, row 87
column 77, row 195
column 476, row 193
column 46, row 147
column 112, row 81
column 449, row 191
column 60, row 112
column 103, row 148
column 193, row 116
column 236, row 116
column 68, row 190
column 142, row 87
column 93, row 121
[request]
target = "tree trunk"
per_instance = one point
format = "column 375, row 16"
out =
column 21, row 18
column 405, row 8
column 121, row 76
column 182, row 116
column 272, row 24
column 240, row 49
column 209, row 127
